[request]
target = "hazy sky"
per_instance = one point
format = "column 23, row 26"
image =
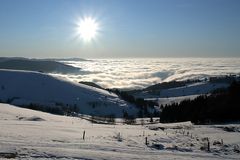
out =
column 128, row 28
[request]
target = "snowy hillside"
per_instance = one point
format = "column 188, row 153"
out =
column 171, row 100
column 23, row 136
column 192, row 89
column 197, row 88
column 177, row 94
column 23, row 88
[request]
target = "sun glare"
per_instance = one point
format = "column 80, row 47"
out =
column 87, row 28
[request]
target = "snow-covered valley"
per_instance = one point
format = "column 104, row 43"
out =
column 28, row 134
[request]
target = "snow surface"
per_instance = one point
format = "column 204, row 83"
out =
column 171, row 100
column 192, row 89
column 25, row 87
column 178, row 94
column 197, row 88
column 28, row 134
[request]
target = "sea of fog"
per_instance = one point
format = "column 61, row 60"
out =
column 139, row 73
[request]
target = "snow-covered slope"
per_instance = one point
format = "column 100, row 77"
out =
column 192, row 89
column 28, row 134
column 23, row 87
column 178, row 94
column 171, row 100
column 196, row 88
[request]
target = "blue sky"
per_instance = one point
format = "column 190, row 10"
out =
column 129, row 28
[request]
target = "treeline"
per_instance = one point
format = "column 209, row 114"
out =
column 140, row 103
column 222, row 106
column 224, row 79
column 59, row 109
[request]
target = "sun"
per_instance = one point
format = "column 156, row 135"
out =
column 87, row 28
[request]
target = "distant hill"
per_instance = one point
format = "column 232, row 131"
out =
column 67, row 59
column 47, row 66
column 43, row 92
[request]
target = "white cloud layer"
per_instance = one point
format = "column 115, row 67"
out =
column 139, row 73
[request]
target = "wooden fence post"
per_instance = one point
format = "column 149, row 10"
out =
column 84, row 135
column 208, row 143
